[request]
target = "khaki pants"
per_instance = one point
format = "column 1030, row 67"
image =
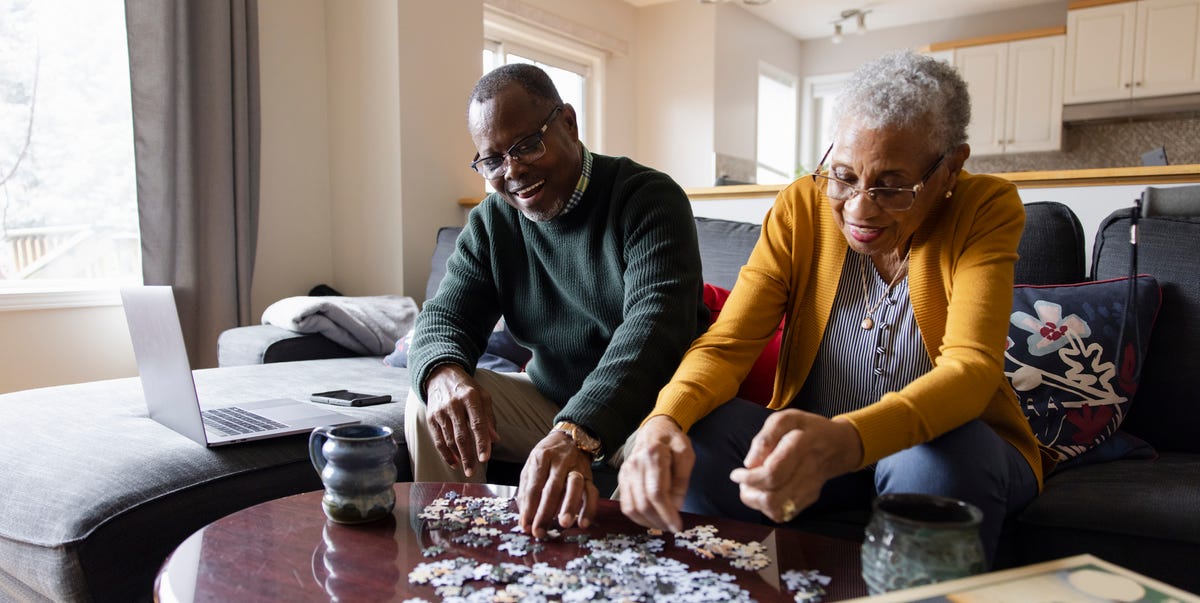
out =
column 523, row 418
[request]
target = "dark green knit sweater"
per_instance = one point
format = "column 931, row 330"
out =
column 608, row 296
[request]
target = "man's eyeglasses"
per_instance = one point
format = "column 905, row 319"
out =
column 527, row 150
column 889, row 198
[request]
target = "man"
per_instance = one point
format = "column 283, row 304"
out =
column 594, row 265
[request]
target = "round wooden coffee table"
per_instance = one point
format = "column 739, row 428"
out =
column 285, row 550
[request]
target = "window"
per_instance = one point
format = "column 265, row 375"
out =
column 820, row 100
column 569, row 78
column 776, row 126
column 68, row 209
column 565, row 50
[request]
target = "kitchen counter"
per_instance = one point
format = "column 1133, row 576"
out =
column 1159, row 174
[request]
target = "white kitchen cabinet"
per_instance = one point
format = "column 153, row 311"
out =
column 1016, row 94
column 1134, row 49
column 945, row 56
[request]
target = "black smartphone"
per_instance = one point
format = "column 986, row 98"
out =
column 345, row 397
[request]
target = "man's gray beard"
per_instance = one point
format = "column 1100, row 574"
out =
column 554, row 212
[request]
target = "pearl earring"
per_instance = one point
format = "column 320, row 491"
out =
column 949, row 194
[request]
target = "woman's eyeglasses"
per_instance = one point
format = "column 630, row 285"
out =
column 889, row 198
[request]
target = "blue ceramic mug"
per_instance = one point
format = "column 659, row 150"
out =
column 357, row 464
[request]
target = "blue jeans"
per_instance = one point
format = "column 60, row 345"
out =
column 970, row 463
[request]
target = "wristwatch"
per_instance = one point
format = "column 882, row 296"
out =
column 583, row 440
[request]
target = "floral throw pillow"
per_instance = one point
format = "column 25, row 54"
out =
column 1062, row 358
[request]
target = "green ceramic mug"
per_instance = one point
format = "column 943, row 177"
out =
column 915, row 539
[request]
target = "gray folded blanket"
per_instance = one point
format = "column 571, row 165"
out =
column 368, row 325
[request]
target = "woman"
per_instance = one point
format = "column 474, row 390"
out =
column 894, row 271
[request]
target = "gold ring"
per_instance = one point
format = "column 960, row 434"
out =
column 789, row 510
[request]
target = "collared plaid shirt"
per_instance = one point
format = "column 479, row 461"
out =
column 581, row 186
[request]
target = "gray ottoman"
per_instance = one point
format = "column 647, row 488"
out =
column 94, row 494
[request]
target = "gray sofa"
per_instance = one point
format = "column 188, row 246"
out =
column 95, row 494
column 1138, row 513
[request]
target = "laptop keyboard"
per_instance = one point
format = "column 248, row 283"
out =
column 235, row 421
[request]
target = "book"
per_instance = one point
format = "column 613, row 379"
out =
column 1078, row 579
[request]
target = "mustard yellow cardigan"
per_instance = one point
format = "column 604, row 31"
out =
column 960, row 282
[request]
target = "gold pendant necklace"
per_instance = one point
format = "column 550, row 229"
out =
column 868, row 323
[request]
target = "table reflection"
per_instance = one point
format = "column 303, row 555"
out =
column 350, row 571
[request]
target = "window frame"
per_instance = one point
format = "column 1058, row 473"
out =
column 56, row 293
column 545, row 45
column 782, row 76
column 813, row 139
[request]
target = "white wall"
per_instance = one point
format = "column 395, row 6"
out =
column 295, row 242
column 364, row 146
column 388, row 142
column 819, row 57
column 435, row 146
column 617, row 20
column 63, row 345
column 742, row 41
column 697, row 85
column 675, row 80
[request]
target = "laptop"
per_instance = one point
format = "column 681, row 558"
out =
column 170, row 390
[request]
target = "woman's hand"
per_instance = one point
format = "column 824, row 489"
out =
column 654, row 476
column 791, row 458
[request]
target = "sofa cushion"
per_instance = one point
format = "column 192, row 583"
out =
column 1062, row 358
column 1051, row 250
column 89, row 470
column 446, row 238
column 1139, row 514
column 1165, row 406
column 1127, row 497
column 725, row 246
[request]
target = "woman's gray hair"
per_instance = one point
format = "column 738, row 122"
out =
column 906, row 89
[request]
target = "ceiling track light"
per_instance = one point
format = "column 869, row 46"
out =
column 860, row 20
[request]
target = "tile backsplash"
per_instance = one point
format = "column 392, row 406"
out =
column 1105, row 145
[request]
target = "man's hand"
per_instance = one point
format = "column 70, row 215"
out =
column 655, row 474
column 460, row 417
column 556, row 480
column 791, row 458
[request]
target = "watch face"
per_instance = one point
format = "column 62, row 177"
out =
column 587, row 442
column 581, row 438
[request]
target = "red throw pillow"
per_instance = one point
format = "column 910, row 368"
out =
column 760, row 381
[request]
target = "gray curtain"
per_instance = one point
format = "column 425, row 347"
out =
column 194, row 75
